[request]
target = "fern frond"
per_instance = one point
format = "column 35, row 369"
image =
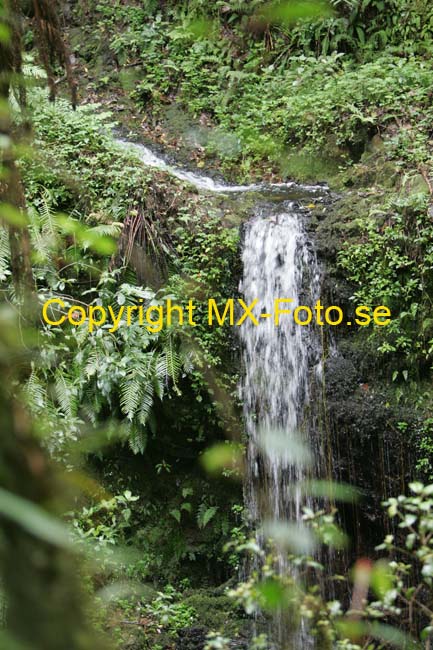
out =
column 205, row 514
column 92, row 364
column 5, row 254
column 161, row 368
column 36, row 392
column 160, row 376
column 40, row 244
column 65, row 394
column 43, row 227
column 107, row 229
column 47, row 218
column 137, row 439
column 146, row 404
column 130, row 396
column 187, row 358
column 93, row 402
column 173, row 361
column 89, row 413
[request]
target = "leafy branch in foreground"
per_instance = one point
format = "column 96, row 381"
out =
column 391, row 598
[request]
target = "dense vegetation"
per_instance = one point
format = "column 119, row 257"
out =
column 139, row 422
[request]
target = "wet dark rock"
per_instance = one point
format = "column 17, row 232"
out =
column 341, row 377
column 192, row 638
column 369, row 450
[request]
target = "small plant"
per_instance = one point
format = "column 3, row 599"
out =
column 216, row 641
column 163, row 466
column 105, row 523
column 169, row 613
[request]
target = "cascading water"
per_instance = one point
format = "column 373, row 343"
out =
column 278, row 263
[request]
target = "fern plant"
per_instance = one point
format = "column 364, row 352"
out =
column 124, row 372
column 43, row 228
column 205, row 514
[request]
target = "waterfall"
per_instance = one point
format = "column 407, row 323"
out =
column 278, row 262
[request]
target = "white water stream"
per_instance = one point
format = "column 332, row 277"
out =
column 201, row 181
column 278, row 262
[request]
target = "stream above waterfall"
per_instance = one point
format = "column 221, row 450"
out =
column 206, row 183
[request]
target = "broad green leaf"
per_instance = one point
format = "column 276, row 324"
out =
column 292, row 536
column 355, row 630
column 33, row 518
column 329, row 490
column 395, row 637
column 294, row 10
column 201, row 27
column 274, row 595
column 224, row 456
column 285, row 446
column 12, row 215
column 176, row 514
column 381, row 578
column 101, row 244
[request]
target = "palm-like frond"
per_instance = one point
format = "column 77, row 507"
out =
column 107, row 229
column 5, row 254
column 36, row 392
column 171, row 362
column 159, row 377
column 130, row 396
column 40, row 244
column 205, row 513
column 47, row 218
column 146, row 404
column 43, row 228
column 137, row 439
column 66, row 394
column 92, row 363
column 187, row 357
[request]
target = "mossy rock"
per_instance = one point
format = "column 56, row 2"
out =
column 416, row 185
column 216, row 612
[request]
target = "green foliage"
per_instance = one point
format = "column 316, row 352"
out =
column 105, row 523
column 392, row 265
column 410, row 573
column 125, row 371
column 262, row 85
column 205, row 514
column 423, row 442
column 266, row 92
column 170, row 614
column 4, row 255
column 216, row 641
column 400, row 585
column 32, row 518
column 103, row 191
column 98, row 187
column 207, row 265
column 362, row 27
